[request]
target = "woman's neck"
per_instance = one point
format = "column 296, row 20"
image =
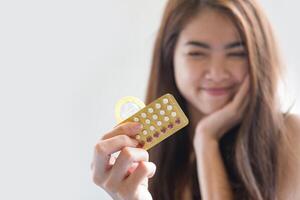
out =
column 194, row 116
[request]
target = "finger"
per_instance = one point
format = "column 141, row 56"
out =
column 234, row 105
column 124, row 162
column 127, row 128
column 244, row 105
column 145, row 181
column 143, row 171
column 244, row 89
column 104, row 148
column 132, row 168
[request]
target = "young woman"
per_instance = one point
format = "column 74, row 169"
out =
column 220, row 61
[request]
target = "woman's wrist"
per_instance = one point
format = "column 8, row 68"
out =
column 203, row 142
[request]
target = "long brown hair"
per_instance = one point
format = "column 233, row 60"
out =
column 249, row 150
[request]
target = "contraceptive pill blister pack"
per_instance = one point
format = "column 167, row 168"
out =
column 159, row 119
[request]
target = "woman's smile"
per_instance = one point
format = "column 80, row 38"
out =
column 217, row 91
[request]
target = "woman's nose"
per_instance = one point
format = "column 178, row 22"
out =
column 216, row 71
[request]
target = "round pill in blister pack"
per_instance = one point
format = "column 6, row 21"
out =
column 162, row 112
column 145, row 132
column 157, row 105
column 165, row 101
column 155, row 117
column 150, row 110
column 152, row 128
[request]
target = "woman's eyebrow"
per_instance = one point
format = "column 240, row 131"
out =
column 204, row 45
column 198, row 44
column 235, row 45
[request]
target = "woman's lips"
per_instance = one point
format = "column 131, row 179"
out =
column 217, row 91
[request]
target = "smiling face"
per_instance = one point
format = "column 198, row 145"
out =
column 210, row 61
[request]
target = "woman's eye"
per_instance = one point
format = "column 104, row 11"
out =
column 237, row 54
column 196, row 54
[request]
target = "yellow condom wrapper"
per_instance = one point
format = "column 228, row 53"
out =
column 126, row 107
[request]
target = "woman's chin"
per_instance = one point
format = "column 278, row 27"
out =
column 210, row 108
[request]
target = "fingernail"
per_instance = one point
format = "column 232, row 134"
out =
column 136, row 143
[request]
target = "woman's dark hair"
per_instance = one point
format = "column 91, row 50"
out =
column 249, row 150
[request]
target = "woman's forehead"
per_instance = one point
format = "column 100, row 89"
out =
column 211, row 26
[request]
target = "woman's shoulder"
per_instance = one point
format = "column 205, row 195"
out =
column 289, row 159
column 292, row 123
column 292, row 133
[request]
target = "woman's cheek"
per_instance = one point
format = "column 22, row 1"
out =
column 185, row 69
column 184, row 78
column 239, row 73
column 193, row 78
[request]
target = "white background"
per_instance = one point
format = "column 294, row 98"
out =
column 63, row 66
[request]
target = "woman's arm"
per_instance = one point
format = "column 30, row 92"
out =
column 212, row 176
column 214, row 182
column 289, row 165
